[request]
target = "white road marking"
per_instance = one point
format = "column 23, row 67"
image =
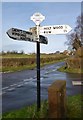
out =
column 25, row 83
column 44, row 76
column 10, row 89
column 41, row 78
column 77, row 82
column 54, row 70
column 27, row 80
column 20, row 85
column 5, row 88
column 13, row 85
column 45, row 85
column 46, row 72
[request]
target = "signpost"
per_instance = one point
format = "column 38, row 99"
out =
column 35, row 34
column 37, row 18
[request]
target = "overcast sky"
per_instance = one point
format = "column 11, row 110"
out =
column 18, row 15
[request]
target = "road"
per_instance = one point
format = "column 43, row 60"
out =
column 19, row 88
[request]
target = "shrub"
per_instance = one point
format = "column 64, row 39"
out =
column 79, row 52
column 74, row 62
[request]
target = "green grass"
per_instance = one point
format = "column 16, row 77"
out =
column 18, row 68
column 74, row 106
column 70, row 70
column 73, row 110
column 29, row 112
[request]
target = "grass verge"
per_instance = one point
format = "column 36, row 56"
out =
column 73, row 110
column 74, row 106
column 70, row 70
column 18, row 68
column 29, row 112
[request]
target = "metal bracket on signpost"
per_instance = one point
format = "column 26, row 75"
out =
column 37, row 28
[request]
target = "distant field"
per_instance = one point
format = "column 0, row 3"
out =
column 17, row 56
column 14, row 62
column 31, row 55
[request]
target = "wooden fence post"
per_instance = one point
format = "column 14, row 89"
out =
column 57, row 99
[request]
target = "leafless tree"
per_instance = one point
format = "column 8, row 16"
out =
column 75, row 38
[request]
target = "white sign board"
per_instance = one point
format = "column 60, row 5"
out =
column 55, row 29
column 37, row 18
column 18, row 34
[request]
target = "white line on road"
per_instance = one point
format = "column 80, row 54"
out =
column 77, row 82
column 25, row 83
column 54, row 70
column 20, row 85
column 10, row 89
column 5, row 88
column 27, row 80
column 46, row 72
column 13, row 85
column 41, row 78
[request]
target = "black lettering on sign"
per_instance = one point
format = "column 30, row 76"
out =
column 37, row 15
column 54, row 27
column 15, row 33
column 61, row 27
column 58, row 27
column 65, row 30
column 47, row 32
column 47, row 28
column 22, row 38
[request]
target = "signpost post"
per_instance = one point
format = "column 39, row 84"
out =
column 38, row 18
column 18, row 34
